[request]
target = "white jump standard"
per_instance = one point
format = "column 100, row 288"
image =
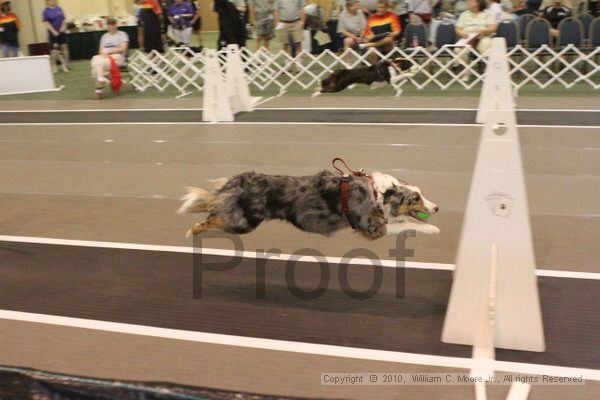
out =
column 494, row 300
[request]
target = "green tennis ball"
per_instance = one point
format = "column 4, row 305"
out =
column 422, row 215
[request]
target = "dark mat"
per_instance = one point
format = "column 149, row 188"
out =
column 568, row 118
column 22, row 383
column 156, row 289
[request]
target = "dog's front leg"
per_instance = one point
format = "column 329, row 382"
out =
column 373, row 227
column 394, row 229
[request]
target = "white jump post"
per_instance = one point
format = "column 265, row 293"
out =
column 22, row 75
column 494, row 300
column 496, row 93
column 223, row 98
column 215, row 99
column 237, row 87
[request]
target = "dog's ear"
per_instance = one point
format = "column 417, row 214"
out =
column 405, row 65
column 393, row 193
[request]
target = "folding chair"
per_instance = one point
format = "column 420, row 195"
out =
column 524, row 21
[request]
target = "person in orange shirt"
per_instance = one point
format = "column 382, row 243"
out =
column 10, row 24
column 383, row 28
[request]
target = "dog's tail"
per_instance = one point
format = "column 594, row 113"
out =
column 218, row 183
column 196, row 200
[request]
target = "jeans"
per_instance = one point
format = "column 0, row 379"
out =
column 9, row 50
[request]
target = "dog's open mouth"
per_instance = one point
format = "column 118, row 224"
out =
column 415, row 215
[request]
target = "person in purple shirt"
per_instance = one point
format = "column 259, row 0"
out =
column 182, row 16
column 54, row 19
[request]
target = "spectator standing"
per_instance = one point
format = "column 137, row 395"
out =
column 368, row 6
column 242, row 8
column 181, row 16
column 383, row 28
column 9, row 31
column 421, row 11
column 495, row 9
column 151, row 17
column 111, row 55
column 289, row 21
column 351, row 25
column 478, row 24
column 460, row 6
column 230, row 30
column 261, row 14
column 400, row 8
column 54, row 18
column 554, row 14
column 335, row 8
column 197, row 21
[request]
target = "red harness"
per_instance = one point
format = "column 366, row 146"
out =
column 345, row 184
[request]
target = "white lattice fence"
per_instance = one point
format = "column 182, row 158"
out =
column 181, row 69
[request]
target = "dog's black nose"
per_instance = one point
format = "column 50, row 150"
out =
column 436, row 209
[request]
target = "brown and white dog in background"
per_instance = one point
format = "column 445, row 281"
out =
column 376, row 75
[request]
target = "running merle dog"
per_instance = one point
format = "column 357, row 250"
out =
column 373, row 205
column 385, row 71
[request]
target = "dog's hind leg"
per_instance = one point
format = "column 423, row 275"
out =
column 211, row 222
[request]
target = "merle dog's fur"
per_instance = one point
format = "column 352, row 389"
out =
column 341, row 79
column 311, row 203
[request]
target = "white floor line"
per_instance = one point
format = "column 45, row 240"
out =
column 274, row 257
column 298, row 347
column 99, row 109
column 286, row 123
column 288, row 109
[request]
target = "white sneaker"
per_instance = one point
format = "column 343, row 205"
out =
column 362, row 46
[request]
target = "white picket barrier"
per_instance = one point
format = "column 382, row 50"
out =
column 181, row 69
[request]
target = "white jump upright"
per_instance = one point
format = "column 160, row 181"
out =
column 496, row 93
column 223, row 98
column 494, row 300
column 237, row 87
column 20, row 75
column 215, row 98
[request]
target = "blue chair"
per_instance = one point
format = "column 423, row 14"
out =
column 594, row 36
column 417, row 30
column 586, row 20
column 524, row 20
column 570, row 31
column 445, row 34
column 538, row 33
column 509, row 31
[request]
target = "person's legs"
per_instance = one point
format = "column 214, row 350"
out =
column 186, row 36
column 100, row 67
column 462, row 53
column 484, row 45
column 14, row 50
column 349, row 43
column 64, row 49
column 5, row 50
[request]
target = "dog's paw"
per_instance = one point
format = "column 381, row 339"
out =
column 429, row 229
column 376, row 227
column 189, row 233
